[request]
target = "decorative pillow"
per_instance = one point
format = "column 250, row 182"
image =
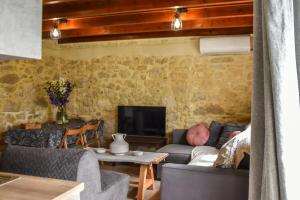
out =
column 234, row 133
column 243, row 146
column 215, row 129
column 225, row 157
column 245, row 162
column 197, row 135
column 232, row 152
column 227, row 130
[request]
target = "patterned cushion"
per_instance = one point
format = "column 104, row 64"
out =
column 56, row 163
column 197, row 135
column 215, row 129
column 227, row 130
column 232, row 152
column 243, row 147
column 226, row 155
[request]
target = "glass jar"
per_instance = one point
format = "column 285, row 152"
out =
column 61, row 115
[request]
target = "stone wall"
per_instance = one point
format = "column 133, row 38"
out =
column 160, row 72
column 22, row 98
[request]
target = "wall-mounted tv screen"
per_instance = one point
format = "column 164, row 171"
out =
column 142, row 120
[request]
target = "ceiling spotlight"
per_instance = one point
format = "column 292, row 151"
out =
column 55, row 33
column 176, row 24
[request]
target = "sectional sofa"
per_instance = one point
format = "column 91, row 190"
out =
column 182, row 178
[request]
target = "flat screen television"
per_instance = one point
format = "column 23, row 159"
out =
column 142, row 120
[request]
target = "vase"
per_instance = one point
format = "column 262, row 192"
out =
column 119, row 146
column 61, row 115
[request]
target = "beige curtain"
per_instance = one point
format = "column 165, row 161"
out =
column 274, row 172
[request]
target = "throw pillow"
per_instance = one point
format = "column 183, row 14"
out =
column 234, row 133
column 225, row 157
column 215, row 129
column 227, row 130
column 245, row 163
column 232, row 152
column 243, row 146
column 197, row 135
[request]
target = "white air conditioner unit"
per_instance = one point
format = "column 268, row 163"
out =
column 225, row 44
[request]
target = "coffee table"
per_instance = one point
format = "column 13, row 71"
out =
column 146, row 161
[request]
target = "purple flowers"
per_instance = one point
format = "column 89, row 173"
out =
column 59, row 92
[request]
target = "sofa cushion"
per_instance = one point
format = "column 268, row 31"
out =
column 179, row 136
column 245, row 162
column 178, row 153
column 215, row 129
column 232, row 152
column 204, row 156
column 197, row 135
column 243, row 146
column 226, row 131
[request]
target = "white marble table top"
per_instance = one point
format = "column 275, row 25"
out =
column 146, row 159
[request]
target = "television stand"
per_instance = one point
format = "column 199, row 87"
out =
column 145, row 143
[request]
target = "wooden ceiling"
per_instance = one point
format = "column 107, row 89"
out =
column 99, row 20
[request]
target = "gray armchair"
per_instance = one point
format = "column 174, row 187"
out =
column 71, row 164
column 203, row 183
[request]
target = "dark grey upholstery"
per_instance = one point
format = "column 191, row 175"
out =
column 179, row 136
column 62, row 164
column 179, row 152
column 203, row 183
column 71, row 164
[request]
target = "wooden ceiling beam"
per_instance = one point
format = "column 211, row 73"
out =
column 184, row 33
column 206, row 23
column 84, row 8
column 152, row 17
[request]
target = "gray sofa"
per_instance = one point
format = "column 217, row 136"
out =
column 72, row 164
column 181, row 181
column 179, row 151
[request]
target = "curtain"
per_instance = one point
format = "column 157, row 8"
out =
column 275, row 122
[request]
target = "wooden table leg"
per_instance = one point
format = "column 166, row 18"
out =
column 146, row 180
column 150, row 177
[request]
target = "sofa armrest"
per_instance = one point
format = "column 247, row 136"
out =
column 192, row 182
column 179, row 136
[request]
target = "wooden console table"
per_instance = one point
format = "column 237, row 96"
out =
column 38, row 188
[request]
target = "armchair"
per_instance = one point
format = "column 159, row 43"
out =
column 68, row 164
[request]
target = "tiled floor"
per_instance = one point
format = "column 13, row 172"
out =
column 133, row 171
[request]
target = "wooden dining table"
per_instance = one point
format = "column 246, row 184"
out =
column 23, row 187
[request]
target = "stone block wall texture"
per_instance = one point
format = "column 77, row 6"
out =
column 155, row 72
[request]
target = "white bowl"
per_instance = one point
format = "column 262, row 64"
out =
column 137, row 153
column 85, row 118
column 100, row 150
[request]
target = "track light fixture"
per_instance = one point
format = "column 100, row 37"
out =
column 176, row 24
column 55, row 33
